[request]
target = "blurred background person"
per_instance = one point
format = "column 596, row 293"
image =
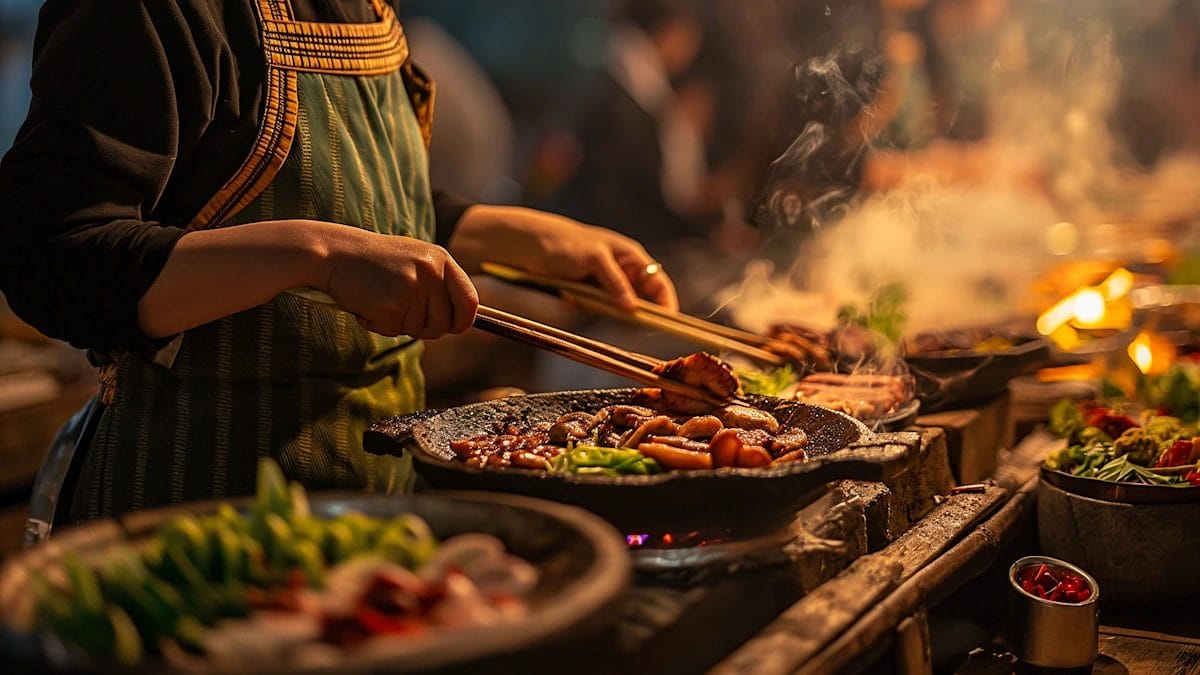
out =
column 642, row 158
column 474, row 142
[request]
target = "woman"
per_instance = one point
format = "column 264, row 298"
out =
column 184, row 164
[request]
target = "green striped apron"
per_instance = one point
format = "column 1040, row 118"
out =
column 344, row 139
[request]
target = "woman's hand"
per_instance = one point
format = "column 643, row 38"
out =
column 555, row 246
column 394, row 285
column 399, row 286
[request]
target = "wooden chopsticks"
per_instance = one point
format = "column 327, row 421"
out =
column 628, row 364
column 610, row 358
column 593, row 299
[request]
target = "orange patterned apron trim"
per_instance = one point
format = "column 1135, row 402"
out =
column 290, row 47
column 271, row 148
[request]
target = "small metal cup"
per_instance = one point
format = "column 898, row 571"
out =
column 1052, row 634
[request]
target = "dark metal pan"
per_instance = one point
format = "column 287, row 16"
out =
column 952, row 379
column 742, row 500
column 899, row 419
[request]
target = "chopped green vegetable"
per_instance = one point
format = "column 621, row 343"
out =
column 127, row 644
column 884, row 316
column 771, row 382
column 600, row 461
column 1091, row 436
column 1066, row 419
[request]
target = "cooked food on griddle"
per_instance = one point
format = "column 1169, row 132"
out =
column 656, row 432
column 701, row 370
column 862, row 395
column 980, row 339
column 631, row 439
column 866, row 396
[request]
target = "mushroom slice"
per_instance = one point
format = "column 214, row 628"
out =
column 661, row 426
column 704, row 426
column 747, row 418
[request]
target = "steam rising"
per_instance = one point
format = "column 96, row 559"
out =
column 966, row 250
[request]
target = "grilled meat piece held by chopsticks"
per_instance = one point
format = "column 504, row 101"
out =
column 700, row 370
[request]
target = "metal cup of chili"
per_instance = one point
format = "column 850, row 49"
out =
column 1053, row 617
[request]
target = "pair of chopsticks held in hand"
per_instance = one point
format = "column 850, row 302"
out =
column 645, row 313
column 629, row 364
column 632, row 365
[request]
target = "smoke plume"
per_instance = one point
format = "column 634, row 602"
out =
column 969, row 249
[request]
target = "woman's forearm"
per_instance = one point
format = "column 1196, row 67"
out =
column 214, row 273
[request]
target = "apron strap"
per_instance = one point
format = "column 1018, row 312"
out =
column 277, row 10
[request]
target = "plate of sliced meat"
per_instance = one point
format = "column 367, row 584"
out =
column 881, row 401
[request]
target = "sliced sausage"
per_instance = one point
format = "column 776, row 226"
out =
column 672, row 457
column 793, row 456
column 753, row 456
column 724, row 448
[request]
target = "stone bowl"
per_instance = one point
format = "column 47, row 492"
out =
column 1140, row 553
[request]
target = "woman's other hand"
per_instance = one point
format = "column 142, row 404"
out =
column 551, row 245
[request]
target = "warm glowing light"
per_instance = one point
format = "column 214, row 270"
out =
column 1056, row 316
column 1107, row 305
column 1153, row 354
column 668, row 539
column 1062, row 238
column 1088, row 306
column 1139, row 350
column 1065, row 337
column 1117, row 284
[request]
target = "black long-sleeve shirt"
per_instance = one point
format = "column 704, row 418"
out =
column 141, row 110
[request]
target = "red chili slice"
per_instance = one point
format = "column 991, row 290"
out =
column 1053, row 584
column 1176, row 455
